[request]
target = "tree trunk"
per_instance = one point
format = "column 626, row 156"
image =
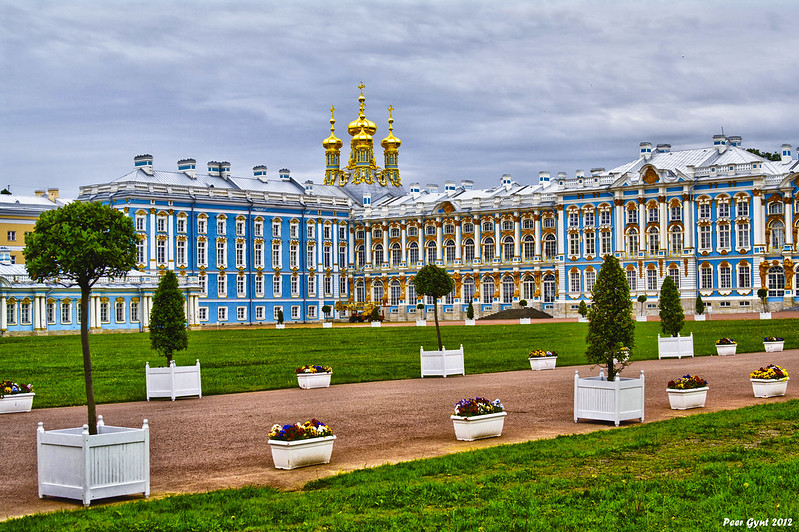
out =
column 438, row 331
column 87, row 358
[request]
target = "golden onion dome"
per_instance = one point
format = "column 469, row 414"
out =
column 391, row 141
column 362, row 124
column 332, row 141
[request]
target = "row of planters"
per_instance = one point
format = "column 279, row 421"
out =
column 690, row 391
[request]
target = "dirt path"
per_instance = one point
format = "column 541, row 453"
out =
column 220, row 441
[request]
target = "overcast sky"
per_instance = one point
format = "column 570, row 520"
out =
column 479, row 88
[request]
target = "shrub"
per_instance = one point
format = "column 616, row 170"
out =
column 470, row 311
column 582, row 310
column 672, row 317
column 700, row 305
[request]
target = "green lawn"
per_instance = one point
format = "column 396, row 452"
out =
column 688, row 473
column 243, row 360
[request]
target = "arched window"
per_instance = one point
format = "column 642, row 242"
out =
column 777, row 235
column 378, row 255
column 488, row 290
column 550, row 246
column 449, row 251
column 675, row 240
column 488, row 250
column 706, row 277
column 549, row 288
column 413, row 253
column 632, row 241
column 507, row 289
column 360, row 257
column 377, row 291
column 431, row 252
column 507, row 248
column 574, row 281
column 776, row 281
column 360, row 292
column 468, row 250
column 653, row 241
column 468, row 289
column 528, row 287
column 528, row 247
column 396, row 254
column 394, row 293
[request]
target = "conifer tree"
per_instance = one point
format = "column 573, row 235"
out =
column 672, row 317
column 168, row 319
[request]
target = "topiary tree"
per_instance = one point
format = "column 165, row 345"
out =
column 672, row 317
column 375, row 314
column 642, row 300
column 611, row 329
column 280, row 315
column 326, row 311
column 582, row 310
column 762, row 293
column 700, row 305
column 167, row 319
column 82, row 242
column 523, row 303
column 470, row 311
column 434, row 282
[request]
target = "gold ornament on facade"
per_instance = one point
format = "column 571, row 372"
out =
column 789, row 271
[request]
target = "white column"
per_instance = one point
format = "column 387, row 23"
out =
column 3, row 324
column 664, row 211
column 618, row 226
column 403, row 243
column 561, row 230
column 757, row 214
column 642, row 242
column 517, row 235
column 538, row 235
column 38, row 312
column 688, row 217
column 420, row 236
column 350, row 247
column 439, row 240
column 478, row 248
column 498, row 238
column 386, row 251
column 368, row 246
column 458, row 242
column 789, row 222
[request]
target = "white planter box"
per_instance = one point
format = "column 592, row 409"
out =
column 675, row 346
column 468, row 322
column 765, row 315
column 773, row 347
column 313, row 380
column 442, row 363
column 524, row 321
column 617, row 401
column 376, row 323
column 539, row 363
column 640, row 318
column 280, row 325
column 769, row 387
column 478, row 427
column 699, row 317
column 301, row 453
column 685, row 399
column 173, row 381
column 327, row 324
column 581, row 319
column 19, row 402
column 726, row 350
column 421, row 323
column 75, row 465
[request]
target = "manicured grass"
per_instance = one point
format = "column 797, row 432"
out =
column 688, row 473
column 241, row 360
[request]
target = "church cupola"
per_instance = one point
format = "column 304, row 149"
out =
column 362, row 158
column 332, row 145
column 391, row 146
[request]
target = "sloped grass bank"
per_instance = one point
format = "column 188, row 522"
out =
column 688, row 473
column 242, row 360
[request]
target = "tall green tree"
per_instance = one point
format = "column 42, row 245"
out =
column 434, row 282
column 168, row 318
column 672, row 316
column 611, row 326
column 80, row 243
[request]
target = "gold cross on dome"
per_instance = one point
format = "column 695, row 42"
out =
column 361, row 86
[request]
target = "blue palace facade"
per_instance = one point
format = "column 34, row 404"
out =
column 718, row 219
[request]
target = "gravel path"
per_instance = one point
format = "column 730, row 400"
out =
column 218, row 442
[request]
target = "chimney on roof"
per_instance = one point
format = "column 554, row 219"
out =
column 213, row 168
column 506, row 180
column 52, row 194
column 597, row 171
column 39, row 193
column 188, row 167
column 309, row 187
column 415, row 189
column 664, row 148
column 720, row 143
column 144, row 162
column 467, row 184
column 367, row 199
column 543, row 177
column 646, row 150
column 431, row 188
column 736, row 141
column 285, row 174
column 259, row 172
column 449, row 187
column 786, row 153
column 224, row 169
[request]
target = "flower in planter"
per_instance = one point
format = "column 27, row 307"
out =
column 687, row 382
column 772, row 339
column 300, row 431
column 770, row 372
column 478, row 406
column 726, row 341
column 314, row 369
column 12, row 388
column 542, row 353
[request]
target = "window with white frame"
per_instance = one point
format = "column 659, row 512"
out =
column 507, row 289
column 377, row 291
column 294, row 256
column 294, row 229
column 220, row 226
column 588, row 219
column 342, row 286
column 259, row 285
column 241, row 313
column 276, row 254
column 590, row 243
column 488, row 249
column 202, row 313
column 51, row 312
column 574, row 219
column 240, row 262
column 221, row 285
column 104, row 316
column 240, row 225
column 25, row 312
column 259, row 313
column 606, row 240
column 202, row 226
column 276, row 228
column 141, row 250
column 78, row 307
column 632, row 216
column 258, row 228
column 342, row 257
column 574, row 281
column 160, row 251
column 160, row 224
column 723, row 210
column 141, row 222
column 431, row 251
column 66, row 312
column 653, row 241
column 724, row 236
column 11, row 313
column 360, row 256
column 135, row 312
column 328, row 285
column 590, row 280
column 276, row 286
column 119, row 311
column 574, row 244
column 550, row 246
column 744, row 275
column 775, row 207
column 310, row 230
column 632, row 241
column 430, row 230
column 651, row 279
column 507, row 248
column 704, row 211
column 411, row 291
column 528, row 247
column 468, row 227
column 295, row 285
column 221, row 252
column 706, row 277
column 674, row 273
column 180, row 252
column 342, row 232
column 725, row 276
column 258, row 254
column 742, row 235
column 507, row 225
column 295, row 312
column 312, row 285
column 742, row 208
column 327, row 232
column 604, row 217
column 675, row 213
column 704, row 238
column 652, row 215
column 488, row 290
column 488, row 226
column 631, row 281
column 202, row 256
column 221, row 314
column 275, row 312
column 241, row 286
column 312, row 312
column 202, row 279
column 377, row 256
column 528, row 287
column 675, row 240
column 468, row 250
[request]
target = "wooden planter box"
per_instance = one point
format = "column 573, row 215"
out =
column 617, row 401
column 313, row 380
column 685, row 399
column 640, row 318
column 769, row 387
column 478, row 427
column 301, row 453
column 524, row 321
column 726, row 350
column 421, row 323
column 442, row 363
column 75, row 465
column 468, row 322
column 18, row 402
column 582, row 319
column 675, row 346
column 773, row 347
column 699, row 317
column 280, row 326
column 327, row 324
column 173, row 381
column 765, row 315
column 540, row 363
column 376, row 323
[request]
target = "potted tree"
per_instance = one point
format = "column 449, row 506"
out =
column 641, row 301
column 374, row 317
column 168, row 335
column 672, row 320
column 762, row 293
column 435, row 282
column 582, row 310
column 525, row 320
column 327, row 324
column 611, row 336
column 700, row 309
column 279, row 324
column 80, row 243
column 420, row 317
column 469, row 314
